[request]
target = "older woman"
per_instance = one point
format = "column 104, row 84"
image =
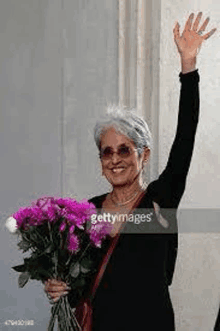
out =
column 133, row 293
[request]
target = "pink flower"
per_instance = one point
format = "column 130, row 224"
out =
column 62, row 226
column 49, row 208
column 98, row 233
column 28, row 216
column 67, row 203
column 72, row 228
column 73, row 243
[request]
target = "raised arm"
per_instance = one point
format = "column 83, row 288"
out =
column 169, row 188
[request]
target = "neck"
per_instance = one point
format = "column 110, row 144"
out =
column 124, row 193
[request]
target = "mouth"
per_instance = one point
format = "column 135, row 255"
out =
column 118, row 170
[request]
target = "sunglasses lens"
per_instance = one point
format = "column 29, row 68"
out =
column 106, row 153
column 124, row 151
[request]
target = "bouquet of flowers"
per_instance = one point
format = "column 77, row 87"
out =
column 64, row 245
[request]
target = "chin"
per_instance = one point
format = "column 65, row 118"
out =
column 120, row 181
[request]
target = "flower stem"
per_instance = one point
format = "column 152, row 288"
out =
column 79, row 258
column 54, row 311
column 51, row 239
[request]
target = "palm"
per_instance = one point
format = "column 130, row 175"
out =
column 189, row 43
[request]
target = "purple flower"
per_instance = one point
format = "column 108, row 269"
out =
column 67, row 203
column 28, row 216
column 73, row 243
column 62, row 226
column 98, row 233
column 71, row 229
column 49, row 208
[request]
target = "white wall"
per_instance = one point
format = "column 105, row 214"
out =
column 196, row 286
column 90, row 74
column 30, row 137
column 58, row 67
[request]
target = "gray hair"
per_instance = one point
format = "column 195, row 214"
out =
column 127, row 122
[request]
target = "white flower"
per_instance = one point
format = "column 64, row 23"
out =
column 11, row 224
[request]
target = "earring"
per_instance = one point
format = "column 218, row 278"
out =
column 144, row 164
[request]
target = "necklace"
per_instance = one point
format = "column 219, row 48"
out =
column 119, row 204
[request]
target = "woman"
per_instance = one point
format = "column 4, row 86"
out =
column 133, row 293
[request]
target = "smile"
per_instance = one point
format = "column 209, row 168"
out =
column 117, row 170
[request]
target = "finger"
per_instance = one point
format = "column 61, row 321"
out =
column 196, row 23
column 203, row 27
column 46, row 287
column 55, row 281
column 56, row 284
column 176, row 31
column 189, row 22
column 58, row 294
column 55, row 296
column 209, row 34
column 56, row 288
column 52, row 301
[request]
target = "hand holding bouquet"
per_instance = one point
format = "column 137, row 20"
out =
column 65, row 249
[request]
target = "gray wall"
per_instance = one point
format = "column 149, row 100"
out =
column 195, row 291
column 90, row 71
column 58, row 67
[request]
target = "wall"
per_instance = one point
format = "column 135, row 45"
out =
column 90, row 71
column 195, row 290
column 58, row 69
column 29, row 136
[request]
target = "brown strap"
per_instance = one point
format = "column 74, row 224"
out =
column 104, row 265
column 108, row 255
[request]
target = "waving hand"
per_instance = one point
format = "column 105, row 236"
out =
column 189, row 43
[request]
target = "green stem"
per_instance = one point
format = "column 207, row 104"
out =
column 62, row 320
column 68, row 316
column 79, row 258
column 50, row 233
column 51, row 239
column 54, row 311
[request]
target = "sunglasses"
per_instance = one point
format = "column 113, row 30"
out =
column 122, row 151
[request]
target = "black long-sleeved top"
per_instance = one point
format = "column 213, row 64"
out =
column 133, row 294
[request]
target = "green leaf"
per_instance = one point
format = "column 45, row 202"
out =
column 20, row 268
column 80, row 282
column 54, row 259
column 84, row 270
column 23, row 279
column 86, row 263
column 24, row 245
column 48, row 249
column 74, row 270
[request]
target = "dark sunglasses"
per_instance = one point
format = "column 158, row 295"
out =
column 122, row 151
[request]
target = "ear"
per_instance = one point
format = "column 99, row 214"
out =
column 146, row 154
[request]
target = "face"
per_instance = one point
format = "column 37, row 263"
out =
column 122, row 169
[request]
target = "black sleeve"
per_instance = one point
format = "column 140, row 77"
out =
column 168, row 189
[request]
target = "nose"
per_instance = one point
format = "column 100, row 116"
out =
column 115, row 158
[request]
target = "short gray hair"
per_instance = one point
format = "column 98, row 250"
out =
column 127, row 122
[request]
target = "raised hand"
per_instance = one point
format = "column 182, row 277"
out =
column 189, row 43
